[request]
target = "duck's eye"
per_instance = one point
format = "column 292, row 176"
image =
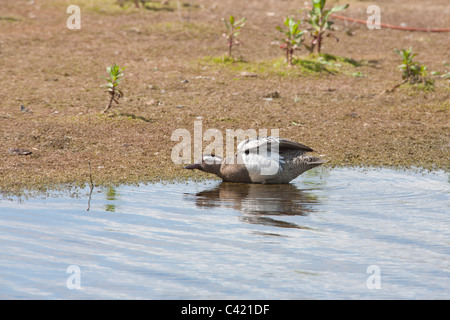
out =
column 247, row 151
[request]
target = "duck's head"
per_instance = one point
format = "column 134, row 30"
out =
column 209, row 163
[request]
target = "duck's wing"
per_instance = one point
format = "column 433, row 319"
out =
column 288, row 144
column 271, row 142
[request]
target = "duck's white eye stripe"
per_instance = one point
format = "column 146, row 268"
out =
column 211, row 159
column 208, row 159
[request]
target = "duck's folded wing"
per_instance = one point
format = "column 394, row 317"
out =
column 271, row 142
column 288, row 144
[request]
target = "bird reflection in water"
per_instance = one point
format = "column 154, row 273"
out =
column 263, row 204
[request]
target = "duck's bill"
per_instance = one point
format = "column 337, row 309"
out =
column 192, row 166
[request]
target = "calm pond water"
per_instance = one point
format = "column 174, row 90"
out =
column 331, row 234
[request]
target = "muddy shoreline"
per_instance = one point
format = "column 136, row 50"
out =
column 171, row 81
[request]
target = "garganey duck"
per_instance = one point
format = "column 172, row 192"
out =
column 261, row 160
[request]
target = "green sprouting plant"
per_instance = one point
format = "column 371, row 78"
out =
column 318, row 18
column 115, row 76
column 293, row 37
column 233, row 28
column 136, row 2
column 445, row 75
column 412, row 71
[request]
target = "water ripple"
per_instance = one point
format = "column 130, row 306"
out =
column 314, row 238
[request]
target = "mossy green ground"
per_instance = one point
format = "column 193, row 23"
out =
column 305, row 65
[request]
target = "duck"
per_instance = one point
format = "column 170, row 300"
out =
column 264, row 160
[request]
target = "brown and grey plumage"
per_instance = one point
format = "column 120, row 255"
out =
column 261, row 160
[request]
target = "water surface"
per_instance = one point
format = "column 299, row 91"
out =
column 331, row 234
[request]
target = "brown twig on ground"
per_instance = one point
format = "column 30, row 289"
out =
column 91, row 185
column 113, row 95
column 394, row 87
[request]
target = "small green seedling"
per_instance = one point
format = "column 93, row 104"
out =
column 412, row 71
column 318, row 18
column 115, row 76
column 233, row 28
column 293, row 37
column 445, row 75
column 136, row 2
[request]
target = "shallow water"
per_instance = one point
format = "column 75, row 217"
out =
column 331, row 234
